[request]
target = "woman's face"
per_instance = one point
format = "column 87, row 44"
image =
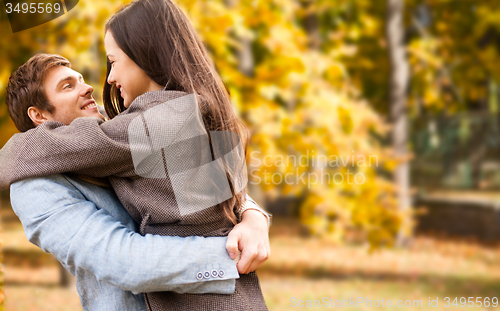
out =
column 129, row 78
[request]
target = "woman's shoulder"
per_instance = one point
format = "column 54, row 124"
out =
column 153, row 98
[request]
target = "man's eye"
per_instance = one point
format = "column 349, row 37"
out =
column 68, row 86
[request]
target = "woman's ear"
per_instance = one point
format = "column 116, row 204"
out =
column 37, row 115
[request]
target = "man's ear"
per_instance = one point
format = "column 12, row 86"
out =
column 38, row 116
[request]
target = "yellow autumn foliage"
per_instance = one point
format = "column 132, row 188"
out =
column 314, row 134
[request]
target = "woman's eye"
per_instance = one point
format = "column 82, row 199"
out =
column 111, row 63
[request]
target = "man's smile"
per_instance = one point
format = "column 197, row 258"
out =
column 89, row 105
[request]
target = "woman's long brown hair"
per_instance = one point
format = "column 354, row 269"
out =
column 160, row 39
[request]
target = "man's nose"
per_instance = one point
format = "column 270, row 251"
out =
column 86, row 90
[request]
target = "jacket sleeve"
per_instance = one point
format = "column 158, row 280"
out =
column 88, row 145
column 60, row 220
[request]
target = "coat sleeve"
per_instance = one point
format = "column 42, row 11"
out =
column 87, row 146
column 59, row 219
column 90, row 146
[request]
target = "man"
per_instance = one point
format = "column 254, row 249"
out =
column 85, row 227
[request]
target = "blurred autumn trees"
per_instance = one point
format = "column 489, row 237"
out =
column 311, row 81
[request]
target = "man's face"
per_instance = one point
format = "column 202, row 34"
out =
column 69, row 94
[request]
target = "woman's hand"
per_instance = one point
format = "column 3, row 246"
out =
column 251, row 236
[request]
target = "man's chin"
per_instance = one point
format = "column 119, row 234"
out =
column 94, row 114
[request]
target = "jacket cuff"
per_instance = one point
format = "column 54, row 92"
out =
column 251, row 204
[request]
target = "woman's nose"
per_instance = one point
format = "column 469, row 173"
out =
column 111, row 80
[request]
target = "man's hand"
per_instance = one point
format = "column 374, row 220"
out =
column 251, row 236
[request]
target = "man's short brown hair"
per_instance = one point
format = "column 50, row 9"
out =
column 25, row 88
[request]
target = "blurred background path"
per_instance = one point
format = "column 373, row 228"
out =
column 299, row 267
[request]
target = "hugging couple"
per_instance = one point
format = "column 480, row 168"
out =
column 147, row 207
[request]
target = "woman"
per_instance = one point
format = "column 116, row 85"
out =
column 137, row 65
column 156, row 62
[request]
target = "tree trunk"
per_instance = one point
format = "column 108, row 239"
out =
column 398, row 85
column 311, row 25
column 65, row 278
column 246, row 65
column 245, row 55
